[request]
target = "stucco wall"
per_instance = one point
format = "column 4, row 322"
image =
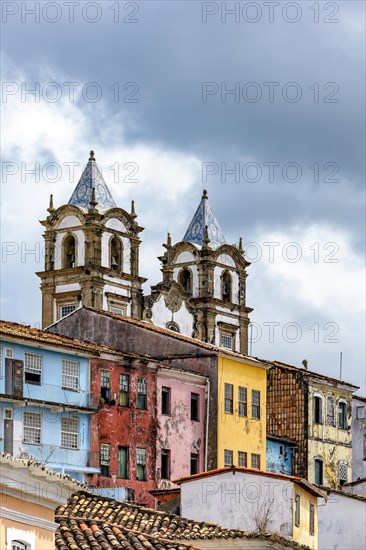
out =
column 276, row 460
column 302, row 533
column 358, row 439
column 342, row 523
column 176, row 431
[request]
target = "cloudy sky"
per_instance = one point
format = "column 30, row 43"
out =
column 260, row 103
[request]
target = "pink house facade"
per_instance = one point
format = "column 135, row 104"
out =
column 182, row 402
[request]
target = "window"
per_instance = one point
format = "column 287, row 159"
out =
column 342, row 415
column 242, row 401
column 18, row 545
column 185, row 280
column 318, row 406
column 226, row 286
column 165, row 400
column 141, row 464
column 256, row 461
column 68, row 250
column 330, row 411
column 318, row 471
column 194, row 463
column 256, row 404
column 228, row 457
column 9, row 353
column 32, row 368
column 226, row 341
column 342, row 473
column 360, row 413
column 105, row 459
column 297, row 510
column 229, row 390
column 312, row 520
column 69, row 432
column 32, row 427
column 173, row 326
column 116, row 254
column 141, row 393
column 165, row 464
column 124, row 390
column 194, row 406
column 70, row 375
column 123, row 462
column 242, row 459
column 118, row 310
column 105, row 385
column 66, row 310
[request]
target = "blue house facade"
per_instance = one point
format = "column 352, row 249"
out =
column 45, row 401
column 279, row 455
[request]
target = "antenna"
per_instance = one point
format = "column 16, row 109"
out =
column 340, row 366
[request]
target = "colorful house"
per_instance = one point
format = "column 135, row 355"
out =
column 254, row 501
column 315, row 411
column 29, row 495
column 45, row 400
column 279, row 455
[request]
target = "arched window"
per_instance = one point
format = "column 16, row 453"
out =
column 173, row 326
column 318, row 471
column 342, row 473
column 185, row 279
column 115, row 256
column 226, row 286
column 342, row 415
column 318, row 409
column 69, row 251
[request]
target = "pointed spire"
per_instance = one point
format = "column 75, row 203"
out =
column 133, row 213
column 204, row 217
column 241, row 249
column 92, row 178
column 169, row 240
column 50, row 209
column 93, row 203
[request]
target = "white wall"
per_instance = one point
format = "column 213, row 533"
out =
column 342, row 524
column 161, row 315
column 234, row 501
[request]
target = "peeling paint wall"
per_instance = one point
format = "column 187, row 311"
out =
column 330, row 443
column 125, row 426
column 176, row 431
column 279, row 457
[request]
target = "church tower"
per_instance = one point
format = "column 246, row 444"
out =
column 91, row 253
column 203, row 291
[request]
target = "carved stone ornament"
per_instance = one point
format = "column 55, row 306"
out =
column 173, row 301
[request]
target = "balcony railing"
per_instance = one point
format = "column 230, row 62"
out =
column 57, row 394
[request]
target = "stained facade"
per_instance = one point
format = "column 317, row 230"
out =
column 359, row 438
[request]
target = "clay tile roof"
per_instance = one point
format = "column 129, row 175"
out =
column 23, row 332
column 90, row 521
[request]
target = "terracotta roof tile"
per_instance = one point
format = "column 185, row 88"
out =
column 91, row 521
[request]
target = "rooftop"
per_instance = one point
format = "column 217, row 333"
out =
column 92, row 521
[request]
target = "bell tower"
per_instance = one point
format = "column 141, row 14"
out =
column 91, row 252
column 203, row 291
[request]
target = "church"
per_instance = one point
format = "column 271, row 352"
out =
column 92, row 249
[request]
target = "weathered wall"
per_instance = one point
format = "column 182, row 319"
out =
column 358, row 438
column 287, row 412
column 176, row 431
column 143, row 338
column 302, row 532
column 342, row 523
column 125, row 426
column 277, row 461
column 241, row 433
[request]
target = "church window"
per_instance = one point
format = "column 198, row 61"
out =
column 226, row 286
column 69, row 251
column 226, row 341
column 185, row 280
column 65, row 310
column 173, row 326
column 116, row 254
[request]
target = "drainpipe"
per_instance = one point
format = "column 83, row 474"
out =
column 207, row 417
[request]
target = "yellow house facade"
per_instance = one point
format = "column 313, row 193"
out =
column 305, row 517
column 241, row 429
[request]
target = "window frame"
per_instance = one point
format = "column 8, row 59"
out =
column 228, row 398
column 312, row 519
column 141, row 457
column 105, row 385
column 242, row 401
column 256, row 404
column 70, row 307
column 342, row 464
column 66, row 363
column 227, row 345
column 141, row 402
column 297, row 510
column 330, row 419
column 318, row 409
column 255, row 461
column 124, row 389
column 242, row 458
column 342, row 425
column 105, row 459
column 33, row 370
column 126, row 466
column 320, row 472
column 29, row 440
column 195, row 407
column 228, row 454
column 166, row 400
column 67, row 433
column 166, row 466
column 194, row 460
